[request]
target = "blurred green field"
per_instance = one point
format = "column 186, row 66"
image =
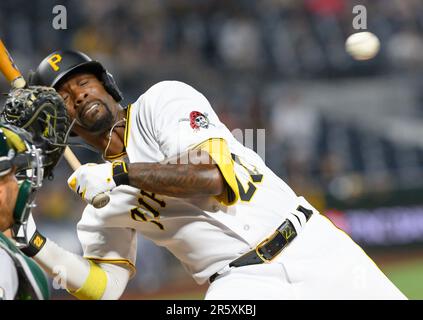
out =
column 407, row 276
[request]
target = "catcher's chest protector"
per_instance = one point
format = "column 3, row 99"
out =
column 33, row 283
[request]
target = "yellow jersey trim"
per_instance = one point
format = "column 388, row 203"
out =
column 125, row 137
column 128, row 125
column 124, row 262
column 218, row 150
column 116, row 156
column 94, row 286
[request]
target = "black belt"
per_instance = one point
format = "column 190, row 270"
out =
column 270, row 247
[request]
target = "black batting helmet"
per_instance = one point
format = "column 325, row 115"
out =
column 60, row 64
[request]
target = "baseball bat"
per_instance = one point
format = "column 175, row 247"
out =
column 9, row 69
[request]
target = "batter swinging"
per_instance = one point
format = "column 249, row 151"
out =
column 177, row 175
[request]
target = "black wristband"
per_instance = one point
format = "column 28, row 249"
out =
column 36, row 243
column 120, row 173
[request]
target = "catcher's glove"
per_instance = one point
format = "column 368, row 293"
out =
column 42, row 112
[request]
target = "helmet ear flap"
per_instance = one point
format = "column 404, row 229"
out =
column 111, row 87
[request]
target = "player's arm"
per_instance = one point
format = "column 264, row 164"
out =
column 83, row 278
column 196, row 176
column 182, row 122
column 107, row 263
column 205, row 170
column 191, row 174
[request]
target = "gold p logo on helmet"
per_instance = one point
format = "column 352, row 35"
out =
column 54, row 60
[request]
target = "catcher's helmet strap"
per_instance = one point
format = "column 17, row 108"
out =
column 5, row 166
column 22, row 208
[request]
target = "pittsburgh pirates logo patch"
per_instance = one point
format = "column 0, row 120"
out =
column 198, row 120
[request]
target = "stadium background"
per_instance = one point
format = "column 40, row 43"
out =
column 346, row 134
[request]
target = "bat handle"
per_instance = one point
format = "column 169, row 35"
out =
column 19, row 82
column 100, row 200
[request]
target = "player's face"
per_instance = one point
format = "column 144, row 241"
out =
column 8, row 195
column 88, row 102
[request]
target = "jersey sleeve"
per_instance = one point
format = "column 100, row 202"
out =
column 9, row 278
column 102, row 243
column 183, row 119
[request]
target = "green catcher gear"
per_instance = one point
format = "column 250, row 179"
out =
column 18, row 151
column 32, row 281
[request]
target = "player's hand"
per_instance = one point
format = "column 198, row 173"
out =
column 91, row 179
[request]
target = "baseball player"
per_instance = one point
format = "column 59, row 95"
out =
column 20, row 277
column 176, row 174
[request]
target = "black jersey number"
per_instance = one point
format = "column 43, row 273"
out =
column 255, row 177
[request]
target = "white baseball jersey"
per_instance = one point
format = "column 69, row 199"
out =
column 205, row 234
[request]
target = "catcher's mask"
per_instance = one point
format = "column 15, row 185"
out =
column 42, row 112
column 18, row 151
column 61, row 64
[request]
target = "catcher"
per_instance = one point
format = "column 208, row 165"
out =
column 177, row 175
column 20, row 277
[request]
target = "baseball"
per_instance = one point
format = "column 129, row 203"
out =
column 362, row 45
